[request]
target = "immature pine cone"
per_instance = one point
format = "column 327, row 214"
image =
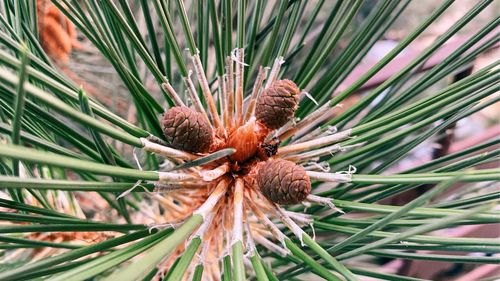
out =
column 187, row 129
column 277, row 104
column 283, row 182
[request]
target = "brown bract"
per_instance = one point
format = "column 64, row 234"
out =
column 277, row 104
column 246, row 142
column 283, row 182
column 187, row 129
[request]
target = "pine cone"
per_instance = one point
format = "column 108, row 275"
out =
column 57, row 32
column 187, row 129
column 277, row 104
column 283, row 182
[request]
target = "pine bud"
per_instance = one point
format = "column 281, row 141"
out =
column 283, row 182
column 277, row 104
column 187, row 129
column 245, row 141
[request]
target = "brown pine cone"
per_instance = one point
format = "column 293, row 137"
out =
column 187, row 129
column 283, row 182
column 277, row 104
